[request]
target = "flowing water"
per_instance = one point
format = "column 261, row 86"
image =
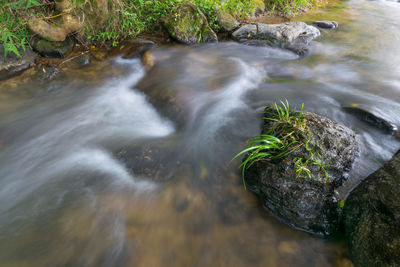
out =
column 107, row 165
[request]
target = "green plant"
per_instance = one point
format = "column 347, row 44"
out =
column 14, row 15
column 341, row 204
column 287, row 132
column 128, row 18
column 290, row 7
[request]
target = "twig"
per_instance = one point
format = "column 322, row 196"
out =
column 71, row 58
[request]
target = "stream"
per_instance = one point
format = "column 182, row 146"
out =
column 110, row 165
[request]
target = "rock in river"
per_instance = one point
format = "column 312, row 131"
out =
column 372, row 218
column 295, row 36
column 372, row 116
column 325, row 24
column 307, row 203
column 53, row 49
column 12, row 65
column 188, row 25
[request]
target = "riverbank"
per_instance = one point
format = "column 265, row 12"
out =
column 96, row 23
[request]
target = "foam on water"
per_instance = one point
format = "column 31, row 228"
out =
column 71, row 140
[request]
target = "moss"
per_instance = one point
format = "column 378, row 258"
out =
column 52, row 49
column 207, row 34
column 189, row 25
column 226, row 21
column 259, row 5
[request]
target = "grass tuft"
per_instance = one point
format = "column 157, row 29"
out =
column 287, row 133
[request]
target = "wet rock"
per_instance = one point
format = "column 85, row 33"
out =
column 307, row 203
column 372, row 218
column 147, row 60
column 53, row 49
column 295, row 36
column 49, row 72
column 227, row 22
column 132, row 48
column 157, row 161
column 98, row 55
column 188, row 25
column 373, row 117
column 325, row 24
column 13, row 65
column 84, row 60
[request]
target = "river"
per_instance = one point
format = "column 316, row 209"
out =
column 110, row 165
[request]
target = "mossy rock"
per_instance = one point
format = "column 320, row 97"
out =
column 308, row 203
column 188, row 25
column 48, row 48
column 227, row 22
column 259, row 6
column 372, row 218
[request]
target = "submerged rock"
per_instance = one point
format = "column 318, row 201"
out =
column 12, row 65
column 188, row 25
column 53, row 49
column 325, row 24
column 307, row 203
column 295, row 36
column 134, row 48
column 373, row 117
column 372, row 218
column 157, row 161
column 147, row 60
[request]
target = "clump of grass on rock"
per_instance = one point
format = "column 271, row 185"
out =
column 296, row 165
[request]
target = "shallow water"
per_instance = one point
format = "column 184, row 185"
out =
column 107, row 165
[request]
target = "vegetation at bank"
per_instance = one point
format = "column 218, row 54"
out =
column 122, row 18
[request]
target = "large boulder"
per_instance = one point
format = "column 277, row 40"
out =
column 188, row 25
column 295, row 36
column 372, row 218
column 307, row 201
column 12, row 65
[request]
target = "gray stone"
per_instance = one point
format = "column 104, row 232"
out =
column 307, row 203
column 13, row 65
column 372, row 218
column 373, row 117
column 295, row 36
column 325, row 24
column 53, row 49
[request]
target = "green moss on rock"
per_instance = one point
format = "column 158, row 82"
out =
column 188, row 25
column 53, row 49
column 227, row 22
